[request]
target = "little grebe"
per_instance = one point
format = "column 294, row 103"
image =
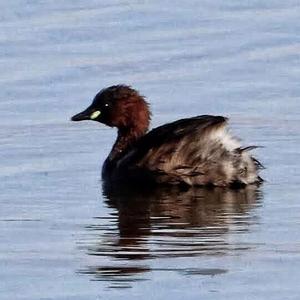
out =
column 192, row 151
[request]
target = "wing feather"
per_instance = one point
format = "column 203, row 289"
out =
column 196, row 151
column 179, row 149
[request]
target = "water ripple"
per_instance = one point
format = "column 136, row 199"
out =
column 166, row 223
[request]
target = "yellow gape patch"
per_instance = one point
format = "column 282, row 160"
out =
column 95, row 114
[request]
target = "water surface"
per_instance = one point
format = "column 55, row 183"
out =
column 65, row 236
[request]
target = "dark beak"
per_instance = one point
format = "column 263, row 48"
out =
column 84, row 115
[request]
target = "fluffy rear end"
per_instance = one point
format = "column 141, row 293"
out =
column 214, row 158
column 230, row 164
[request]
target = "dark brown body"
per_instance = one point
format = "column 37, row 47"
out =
column 192, row 151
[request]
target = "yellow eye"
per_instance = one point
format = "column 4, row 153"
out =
column 95, row 114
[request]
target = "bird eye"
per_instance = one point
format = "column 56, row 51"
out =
column 106, row 104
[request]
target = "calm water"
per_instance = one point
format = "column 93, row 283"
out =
column 65, row 236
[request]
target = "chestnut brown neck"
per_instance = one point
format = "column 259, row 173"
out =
column 125, row 141
column 132, row 118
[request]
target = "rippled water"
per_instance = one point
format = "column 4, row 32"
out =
column 65, row 235
column 168, row 224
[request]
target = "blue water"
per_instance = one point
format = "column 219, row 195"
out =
column 62, row 236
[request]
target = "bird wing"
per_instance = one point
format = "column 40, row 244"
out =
column 185, row 150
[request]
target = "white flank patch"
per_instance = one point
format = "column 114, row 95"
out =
column 226, row 139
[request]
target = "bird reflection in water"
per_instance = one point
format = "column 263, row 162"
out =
column 168, row 222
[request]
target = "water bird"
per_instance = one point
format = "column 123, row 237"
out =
column 195, row 151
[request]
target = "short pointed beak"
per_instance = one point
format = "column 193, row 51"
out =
column 84, row 115
column 89, row 114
